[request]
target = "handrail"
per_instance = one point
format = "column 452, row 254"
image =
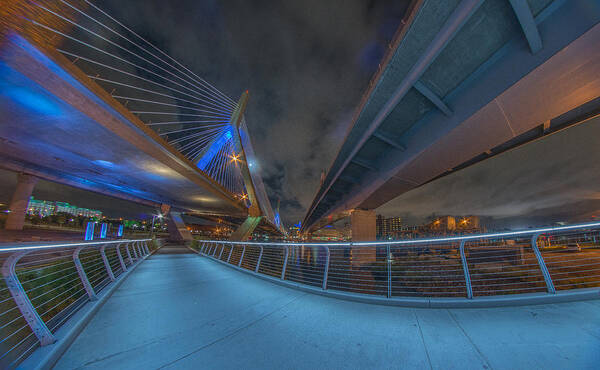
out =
column 469, row 267
column 44, row 284
column 426, row 240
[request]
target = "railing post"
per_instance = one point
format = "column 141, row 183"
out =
column 128, row 253
column 389, row 270
column 542, row 263
column 230, row 252
column 145, row 246
column 215, row 250
column 133, row 245
column 259, row 258
column 136, row 245
column 463, row 259
column 106, row 264
column 139, row 249
column 123, row 266
column 82, row 275
column 285, row 259
column 242, row 257
column 326, row 271
column 222, row 249
column 35, row 322
column 202, row 247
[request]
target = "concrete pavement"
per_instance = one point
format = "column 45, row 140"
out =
column 182, row 311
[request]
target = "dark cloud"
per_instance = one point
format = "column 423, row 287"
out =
column 305, row 63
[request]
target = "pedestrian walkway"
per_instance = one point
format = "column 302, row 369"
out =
column 178, row 310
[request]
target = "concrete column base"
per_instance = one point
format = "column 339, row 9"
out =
column 363, row 224
column 246, row 229
column 19, row 202
column 178, row 232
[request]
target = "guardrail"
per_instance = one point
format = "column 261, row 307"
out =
column 458, row 269
column 44, row 285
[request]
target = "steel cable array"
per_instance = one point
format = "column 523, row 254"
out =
column 184, row 109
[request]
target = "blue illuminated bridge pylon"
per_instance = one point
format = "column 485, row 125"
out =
column 180, row 131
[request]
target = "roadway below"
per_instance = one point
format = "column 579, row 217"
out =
column 178, row 310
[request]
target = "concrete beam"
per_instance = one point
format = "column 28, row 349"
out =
column 388, row 140
column 363, row 163
column 432, row 97
column 349, row 179
column 525, row 17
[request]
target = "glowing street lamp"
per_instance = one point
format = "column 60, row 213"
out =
column 235, row 158
column 152, row 228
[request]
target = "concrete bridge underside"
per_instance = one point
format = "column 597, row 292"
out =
column 461, row 84
column 180, row 310
column 58, row 125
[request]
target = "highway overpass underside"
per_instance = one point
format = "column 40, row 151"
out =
column 56, row 124
column 464, row 81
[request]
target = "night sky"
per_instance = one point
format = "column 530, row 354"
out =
column 306, row 64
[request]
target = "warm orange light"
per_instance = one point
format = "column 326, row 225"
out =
column 235, row 158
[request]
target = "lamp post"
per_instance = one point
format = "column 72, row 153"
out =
column 152, row 227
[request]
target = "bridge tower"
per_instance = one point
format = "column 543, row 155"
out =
column 255, row 213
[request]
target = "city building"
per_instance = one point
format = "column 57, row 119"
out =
column 45, row 208
column 387, row 228
column 454, row 225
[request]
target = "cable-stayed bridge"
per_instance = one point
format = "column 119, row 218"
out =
column 89, row 102
column 86, row 101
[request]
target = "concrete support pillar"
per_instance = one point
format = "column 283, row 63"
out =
column 363, row 225
column 246, row 229
column 178, row 232
column 20, row 199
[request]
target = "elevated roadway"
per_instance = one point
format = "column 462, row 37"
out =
column 57, row 124
column 463, row 81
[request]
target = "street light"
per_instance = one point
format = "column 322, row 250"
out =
column 152, row 228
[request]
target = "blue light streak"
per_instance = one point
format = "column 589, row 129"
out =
column 89, row 231
column 103, row 163
column 31, row 100
column 216, row 146
column 103, row 230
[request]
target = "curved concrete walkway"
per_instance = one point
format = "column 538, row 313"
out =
column 183, row 311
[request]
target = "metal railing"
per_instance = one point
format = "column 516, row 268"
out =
column 44, row 285
column 530, row 261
